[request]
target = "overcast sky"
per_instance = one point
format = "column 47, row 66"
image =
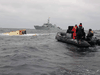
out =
column 27, row 13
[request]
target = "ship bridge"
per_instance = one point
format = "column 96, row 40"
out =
column 47, row 24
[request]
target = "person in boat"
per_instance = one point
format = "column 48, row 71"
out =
column 74, row 31
column 69, row 30
column 90, row 35
column 80, row 33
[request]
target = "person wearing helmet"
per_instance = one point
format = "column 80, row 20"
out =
column 74, row 31
column 80, row 33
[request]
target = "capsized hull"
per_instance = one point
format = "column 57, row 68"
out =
column 18, row 32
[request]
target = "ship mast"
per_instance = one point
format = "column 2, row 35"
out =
column 48, row 20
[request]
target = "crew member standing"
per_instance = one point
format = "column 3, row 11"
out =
column 80, row 32
column 74, row 31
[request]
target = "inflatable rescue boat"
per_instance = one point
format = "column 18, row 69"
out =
column 67, row 38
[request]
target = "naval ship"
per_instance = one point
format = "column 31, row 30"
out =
column 47, row 26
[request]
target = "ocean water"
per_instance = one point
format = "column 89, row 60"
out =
column 44, row 55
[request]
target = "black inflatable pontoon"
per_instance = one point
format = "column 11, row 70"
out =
column 67, row 38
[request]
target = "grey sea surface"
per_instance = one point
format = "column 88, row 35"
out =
column 44, row 55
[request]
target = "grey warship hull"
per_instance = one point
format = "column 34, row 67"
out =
column 46, row 28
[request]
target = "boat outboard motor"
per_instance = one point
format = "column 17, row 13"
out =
column 69, row 30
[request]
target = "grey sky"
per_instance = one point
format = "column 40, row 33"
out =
column 27, row 13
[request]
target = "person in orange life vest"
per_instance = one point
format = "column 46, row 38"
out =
column 74, row 29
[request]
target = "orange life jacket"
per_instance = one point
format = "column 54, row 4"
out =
column 74, row 34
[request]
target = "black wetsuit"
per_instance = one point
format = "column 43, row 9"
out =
column 80, row 33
